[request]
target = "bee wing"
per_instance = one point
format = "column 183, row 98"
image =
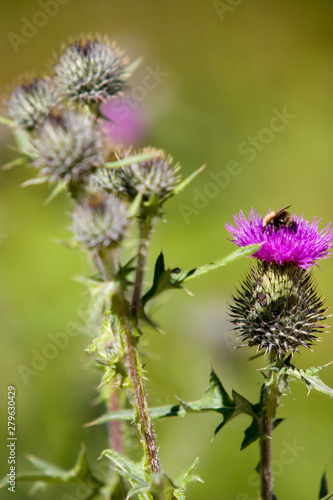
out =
column 279, row 212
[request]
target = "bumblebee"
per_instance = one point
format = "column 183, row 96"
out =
column 282, row 218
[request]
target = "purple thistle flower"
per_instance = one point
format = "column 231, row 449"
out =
column 301, row 244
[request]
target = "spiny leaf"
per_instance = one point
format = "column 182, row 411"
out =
column 7, row 121
column 133, row 471
column 14, row 163
column 182, row 185
column 187, row 475
column 323, row 487
column 309, row 377
column 34, row 182
column 124, row 162
column 166, row 279
column 132, row 67
column 207, row 268
column 59, row 188
column 215, row 399
column 252, row 433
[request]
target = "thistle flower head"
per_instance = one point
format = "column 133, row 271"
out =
column 90, row 70
column 69, row 145
column 31, row 101
column 100, row 221
column 301, row 243
column 278, row 308
column 154, row 178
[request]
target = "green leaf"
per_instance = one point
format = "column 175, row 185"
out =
column 50, row 474
column 323, row 487
column 215, row 399
column 132, row 67
column 187, row 475
column 34, row 182
column 7, row 121
column 131, row 159
column 23, row 142
column 59, row 188
column 135, row 205
column 166, row 279
column 182, row 185
column 133, row 471
column 207, row 268
column 14, row 163
column 309, row 377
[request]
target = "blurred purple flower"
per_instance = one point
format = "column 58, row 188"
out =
column 302, row 244
column 126, row 121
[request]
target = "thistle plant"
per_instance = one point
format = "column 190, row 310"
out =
column 58, row 130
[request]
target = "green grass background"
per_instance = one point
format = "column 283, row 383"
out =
column 225, row 76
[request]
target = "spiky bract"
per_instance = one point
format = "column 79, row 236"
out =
column 100, row 221
column 278, row 308
column 90, row 70
column 154, row 179
column 31, row 101
column 69, row 145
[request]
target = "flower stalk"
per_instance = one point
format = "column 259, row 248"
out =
column 145, row 230
column 121, row 308
column 271, row 396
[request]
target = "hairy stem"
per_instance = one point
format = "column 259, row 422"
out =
column 121, row 308
column 108, row 263
column 270, row 402
column 145, row 228
column 140, row 402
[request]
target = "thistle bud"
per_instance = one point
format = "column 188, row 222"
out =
column 69, row 146
column 90, row 70
column 278, row 308
column 100, row 221
column 154, row 178
column 31, row 101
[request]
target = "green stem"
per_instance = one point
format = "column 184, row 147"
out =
column 135, row 372
column 145, row 228
column 120, row 307
column 108, row 261
column 270, row 403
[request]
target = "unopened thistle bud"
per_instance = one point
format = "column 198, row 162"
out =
column 31, row 101
column 90, row 70
column 278, row 307
column 69, row 146
column 154, row 178
column 100, row 221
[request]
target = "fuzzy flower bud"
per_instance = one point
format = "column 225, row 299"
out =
column 278, row 308
column 155, row 178
column 31, row 101
column 90, row 70
column 69, row 145
column 100, row 222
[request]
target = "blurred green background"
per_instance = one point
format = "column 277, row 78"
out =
column 227, row 66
